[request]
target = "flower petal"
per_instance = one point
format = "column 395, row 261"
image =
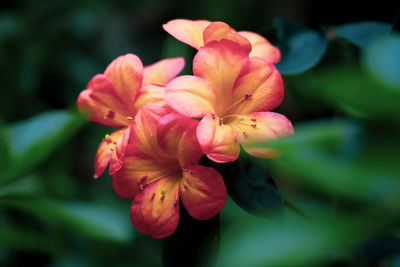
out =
column 103, row 104
column 155, row 210
column 219, row 63
column 163, row 71
column 126, row 73
column 217, row 140
column 111, row 150
column 144, row 130
column 139, row 170
column 261, row 127
column 150, row 93
column 190, row 96
column 177, row 136
column 259, row 87
column 203, row 192
column 261, row 47
column 187, row 31
column 219, row 30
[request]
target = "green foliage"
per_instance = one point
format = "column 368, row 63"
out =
column 302, row 48
column 360, row 33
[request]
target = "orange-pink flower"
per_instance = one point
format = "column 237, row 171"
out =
column 233, row 94
column 161, row 167
column 198, row 33
column 113, row 98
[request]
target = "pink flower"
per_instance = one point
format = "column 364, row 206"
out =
column 198, row 33
column 113, row 99
column 233, row 94
column 161, row 167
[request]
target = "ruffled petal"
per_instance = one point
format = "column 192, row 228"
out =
column 126, row 73
column 190, row 96
column 217, row 140
column 219, row 63
column 259, row 87
column 144, row 130
column 155, row 210
column 163, row 71
column 102, row 104
column 261, row 127
column 177, row 136
column 261, row 47
column 203, row 192
column 187, row 31
column 111, row 150
column 150, row 93
column 219, row 30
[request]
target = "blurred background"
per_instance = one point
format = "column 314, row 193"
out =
column 332, row 200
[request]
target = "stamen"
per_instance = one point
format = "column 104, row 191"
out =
column 176, row 203
column 213, row 116
column 245, row 134
column 110, row 115
column 247, row 96
column 163, row 192
column 129, row 118
column 254, row 125
column 111, row 149
column 153, row 196
column 253, row 119
column 184, row 188
column 143, row 179
column 221, row 121
column 142, row 186
column 162, row 197
column 107, row 138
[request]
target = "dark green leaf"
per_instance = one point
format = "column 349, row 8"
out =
column 302, row 48
column 32, row 141
column 382, row 59
column 4, row 148
column 251, row 187
column 91, row 220
column 360, row 33
column 192, row 242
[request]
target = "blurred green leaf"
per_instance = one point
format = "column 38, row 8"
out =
column 293, row 242
column 4, row 148
column 302, row 48
column 91, row 220
column 34, row 140
column 382, row 59
column 174, row 48
column 316, row 163
column 27, row 187
column 360, row 33
column 251, row 187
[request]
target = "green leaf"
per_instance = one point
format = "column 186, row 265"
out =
column 382, row 59
column 33, row 140
column 91, row 220
column 360, row 33
column 302, row 48
column 4, row 148
column 251, row 187
column 292, row 242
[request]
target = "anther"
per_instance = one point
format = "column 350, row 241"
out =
column 110, row 115
column 143, row 179
column 184, row 188
column 142, row 187
column 162, row 197
column 247, row 96
column 188, row 181
column 107, row 139
column 153, row 196
column 114, row 143
column 254, row 125
column 176, row 203
column 111, row 149
column 253, row 119
column 129, row 118
column 213, row 116
column 245, row 134
column 163, row 192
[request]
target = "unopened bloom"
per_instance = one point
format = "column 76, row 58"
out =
column 113, row 98
column 233, row 94
column 161, row 167
column 197, row 33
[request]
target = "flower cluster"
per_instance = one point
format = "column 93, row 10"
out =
column 154, row 154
